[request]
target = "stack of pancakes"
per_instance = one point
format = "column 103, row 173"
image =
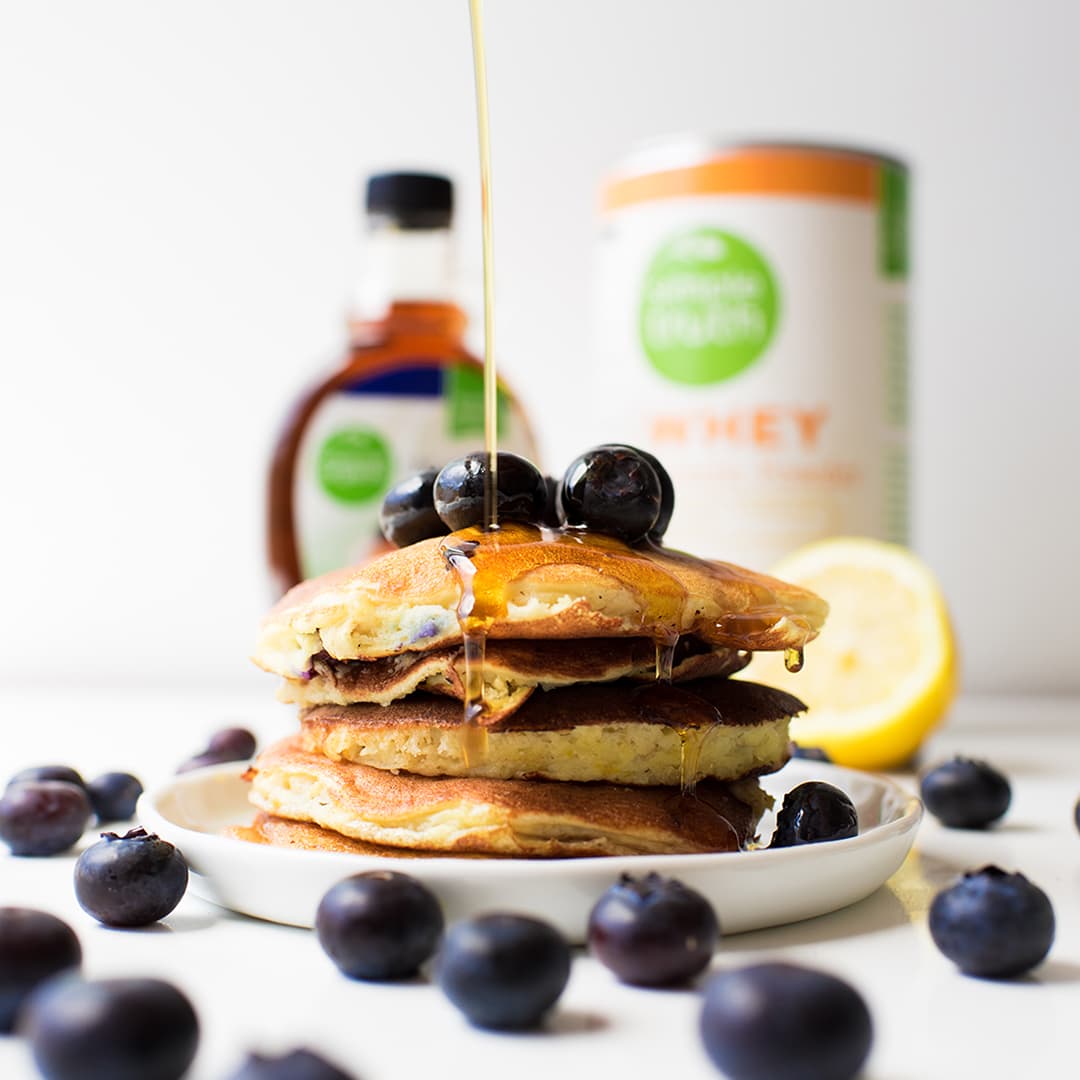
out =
column 607, row 724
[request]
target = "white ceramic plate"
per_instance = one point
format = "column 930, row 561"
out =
column 750, row 890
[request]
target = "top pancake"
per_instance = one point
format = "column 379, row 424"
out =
column 519, row 583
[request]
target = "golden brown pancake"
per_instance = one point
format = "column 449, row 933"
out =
column 621, row 732
column 512, row 671
column 529, row 585
column 303, row 836
column 501, row 817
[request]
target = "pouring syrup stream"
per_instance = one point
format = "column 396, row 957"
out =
column 474, row 626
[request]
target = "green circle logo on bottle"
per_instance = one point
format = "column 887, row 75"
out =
column 354, row 465
column 709, row 307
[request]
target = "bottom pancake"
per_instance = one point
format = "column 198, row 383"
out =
column 304, row 836
column 502, row 817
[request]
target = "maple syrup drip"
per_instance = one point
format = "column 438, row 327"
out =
column 793, row 659
column 474, row 634
column 665, row 655
column 691, row 741
column 691, row 718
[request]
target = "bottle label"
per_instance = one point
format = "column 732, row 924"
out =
column 374, row 432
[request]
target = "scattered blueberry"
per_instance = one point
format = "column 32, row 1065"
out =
column 613, row 490
column 130, row 880
column 33, row 946
column 48, row 772
column 379, row 925
column 114, row 795
column 295, row 1065
column 459, row 490
column 667, row 490
column 43, row 817
column 654, row 931
column 783, row 1022
column 965, row 794
column 228, row 744
column 232, row 744
column 811, row 753
column 812, row 813
column 408, row 510
column 503, row 971
column 119, row 1029
column 993, row 924
column 1076, row 814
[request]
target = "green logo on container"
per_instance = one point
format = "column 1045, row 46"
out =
column 708, row 307
column 354, row 465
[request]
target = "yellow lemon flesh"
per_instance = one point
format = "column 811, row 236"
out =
column 883, row 671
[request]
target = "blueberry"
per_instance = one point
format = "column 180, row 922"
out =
column 228, row 744
column 993, row 924
column 459, row 490
column 783, row 1022
column 130, row 880
column 112, row 1029
column 613, row 490
column 667, row 490
column 295, row 1065
column 43, row 817
column 654, row 931
column 550, row 516
column 379, row 925
column 114, row 795
column 965, row 794
column 33, row 946
column 408, row 510
column 48, row 772
column 812, row 813
column 811, row 753
column 232, row 744
column 503, row 971
column 1076, row 814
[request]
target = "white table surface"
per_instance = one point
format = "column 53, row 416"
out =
column 263, row 986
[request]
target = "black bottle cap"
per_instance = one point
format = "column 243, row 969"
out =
column 411, row 200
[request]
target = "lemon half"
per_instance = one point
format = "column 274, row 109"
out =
column 883, row 671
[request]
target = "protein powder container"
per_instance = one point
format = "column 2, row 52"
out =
column 751, row 331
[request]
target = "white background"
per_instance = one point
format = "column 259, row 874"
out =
column 178, row 197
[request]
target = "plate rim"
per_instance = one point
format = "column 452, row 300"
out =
column 910, row 815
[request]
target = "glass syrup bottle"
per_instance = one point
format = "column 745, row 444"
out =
column 407, row 394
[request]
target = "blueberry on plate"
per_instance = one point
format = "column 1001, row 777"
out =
column 379, row 925
column 965, row 794
column 667, row 490
column 48, row 772
column 119, row 1029
column 33, row 947
column 408, row 510
column 114, row 796
column 130, row 880
column 812, row 813
column 993, row 924
column 43, row 817
column 654, row 931
column 783, row 1022
column 302, row 1064
column 459, row 490
column 503, row 971
column 611, row 490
